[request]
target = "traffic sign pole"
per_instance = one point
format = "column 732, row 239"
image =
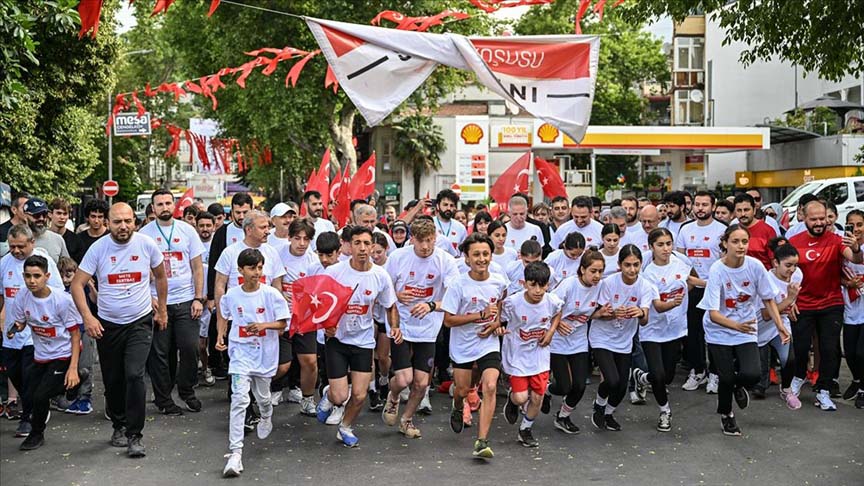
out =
column 110, row 149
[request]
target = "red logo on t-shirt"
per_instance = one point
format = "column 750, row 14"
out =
column 411, row 274
column 430, row 276
column 367, row 292
column 134, row 258
column 698, row 253
column 113, row 260
column 473, row 300
column 745, row 283
column 124, row 278
column 46, row 332
column 706, row 238
column 533, row 334
column 243, row 332
column 302, row 274
column 419, row 291
column 633, row 299
column 239, row 310
column 176, row 240
column 493, row 299
column 10, row 292
column 259, row 310
column 45, row 318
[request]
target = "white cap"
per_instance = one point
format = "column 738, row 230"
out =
column 282, row 208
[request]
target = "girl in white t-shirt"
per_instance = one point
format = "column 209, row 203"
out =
column 853, row 318
column 735, row 283
column 565, row 262
column 611, row 235
column 502, row 255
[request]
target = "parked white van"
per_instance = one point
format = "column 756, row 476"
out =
column 847, row 193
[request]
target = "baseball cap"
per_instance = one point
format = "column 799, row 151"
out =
column 283, row 207
column 34, row 205
column 399, row 225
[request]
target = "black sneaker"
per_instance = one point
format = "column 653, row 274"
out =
column 730, row 427
column 118, row 438
column 33, row 441
column 250, row 422
column 664, row 423
column 375, row 402
column 742, row 397
column 135, row 448
column 597, row 417
column 193, row 405
column 859, row 400
column 564, row 424
column 758, row 393
column 852, row 391
column 171, row 410
column 220, row 374
column 456, row 423
column 547, row 403
column 610, row 423
column 511, row 411
column 526, row 438
column 834, row 389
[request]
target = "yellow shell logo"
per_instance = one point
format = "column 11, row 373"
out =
column 471, row 134
column 547, row 133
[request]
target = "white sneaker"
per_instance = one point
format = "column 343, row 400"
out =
column 295, row 395
column 713, row 385
column 234, row 466
column 694, row 381
column 425, row 405
column 636, row 399
column 797, row 383
column 335, row 417
column 276, row 398
column 823, row 401
column 265, row 426
column 307, row 406
column 404, row 395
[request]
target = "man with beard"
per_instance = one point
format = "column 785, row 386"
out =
column 676, row 212
column 699, row 240
column 389, row 214
column 205, row 225
column 634, row 229
column 315, row 211
column 37, row 218
column 451, row 233
column 582, row 222
column 760, row 232
column 95, row 212
column 181, row 252
column 820, row 301
column 122, row 265
column 560, row 213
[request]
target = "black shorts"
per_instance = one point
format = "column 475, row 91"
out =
column 305, row 343
column 420, row 356
column 382, row 328
column 284, row 348
column 342, row 357
column 491, row 360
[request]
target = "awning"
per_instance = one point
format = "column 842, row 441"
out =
column 788, row 134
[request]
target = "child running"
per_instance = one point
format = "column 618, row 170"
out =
column 503, row 255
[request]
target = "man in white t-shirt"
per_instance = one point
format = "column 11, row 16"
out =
column 451, row 233
column 315, row 213
column 366, row 215
column 518, row 229
column 205, row 225
column 676, row 212
column 181, row 252
column 282, row 215
column 582, row 222
column 122, row 265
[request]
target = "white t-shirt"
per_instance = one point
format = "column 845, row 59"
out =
column 466, row 296
column 521, row 353
column 616, row 335
column 515, row 237
column 321, row 226
column 504, row 259
column 673, row 227
column 50, row 320
column 295, row 266
column 670, row 280
column 12, row 282
column 734, row 292
column 853, row 308
column 767, row 330
column 611, row 263
column 701, row 244
column 494, row 267
column 635, row 235
column 253, row 354
column 277, row 242
column 179, row 244
column 233, row 234
column 123, row 275
column 227, row 264
column 426, row 278
column 356, row 327
column 563, row 265
column 591, row 232
column 516, row 276
column 580, row 302
column 450, row 236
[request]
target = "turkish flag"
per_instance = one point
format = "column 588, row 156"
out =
column 321, row 183
column 319, row 302
column 185, row 201
column 550, row 179
column 363, row 183
column 342, row 211
column 513, row 180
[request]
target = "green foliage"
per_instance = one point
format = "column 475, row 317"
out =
column 418, row 143
column 821, row 120
column 821, row 36
column 50, row 136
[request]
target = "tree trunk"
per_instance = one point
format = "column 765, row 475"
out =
column 416, row 174
column 342, row 132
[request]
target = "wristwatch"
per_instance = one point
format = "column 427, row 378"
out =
column 202, row 300
column 432, row 305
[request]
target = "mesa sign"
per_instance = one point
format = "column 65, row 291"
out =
column 132, row 124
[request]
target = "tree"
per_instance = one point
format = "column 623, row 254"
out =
column 49, row 140
column 418, row 143
column 820, row 36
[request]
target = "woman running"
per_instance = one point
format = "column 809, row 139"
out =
column 611, row 235
column 502, row 255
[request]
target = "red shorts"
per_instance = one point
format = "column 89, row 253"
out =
column 537, row 383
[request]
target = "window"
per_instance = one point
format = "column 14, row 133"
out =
column 835, row 193
column 689, row 53
column 859, row 191
column 687, row 111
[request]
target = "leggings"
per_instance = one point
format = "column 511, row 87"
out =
column 787, row 363
column 615, row 367
column 853, row 344
column 570, row 372
column 662, row 359
column 737, row 366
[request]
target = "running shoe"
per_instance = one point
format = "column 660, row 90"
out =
column 135, row 449
column 324, row 407
column 234, row 466
column 209, row 379
column 694, row 381
column 347, row 437
column 390, row 412
column 307, row 407
column 597, row 417
column 610, row 423
column 564, row 424
column 797, row 383
column 407, row 428
column 13, row 411
column 636, row 399
column 251, row 420
column 33, row 441
column 546, row 406
column 456, row 424
column 852, row 391
column 193, row 405
column 834, row 388
column 294, row 395
column 859, row 400
column 374, row 401
column 118, row 438
column 792, row 401
column 425, row 407
column 24, row 429
column 275, row 398
column 403, row 397
column 482, row 449
column 742, row 397
column 336, row 414
column 730, row 427
column 823, row 401
column 265, row 426
column 664, row 423
column 713, row 385
column 511, row 411
column 526, row 438
column 171, row 410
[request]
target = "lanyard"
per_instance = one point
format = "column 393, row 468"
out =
column 168, row 238
column 446, row 233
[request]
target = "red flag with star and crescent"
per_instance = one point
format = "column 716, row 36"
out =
column 319, row 302
column 513, row 180
column 185, row 201
column 550, row 179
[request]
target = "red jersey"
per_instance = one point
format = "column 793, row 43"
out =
column 821, row 261
column 760, row 235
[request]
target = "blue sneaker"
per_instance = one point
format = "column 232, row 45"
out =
column 81, row 406
column 324, row 407
column 346, row 435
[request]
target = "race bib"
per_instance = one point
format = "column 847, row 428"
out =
column 172, row 261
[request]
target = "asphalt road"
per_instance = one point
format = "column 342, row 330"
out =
column 807, row 446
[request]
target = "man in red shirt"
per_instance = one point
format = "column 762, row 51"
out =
column 760, row 232
column 820, row 301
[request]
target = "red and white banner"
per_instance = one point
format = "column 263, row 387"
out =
column 550, row 77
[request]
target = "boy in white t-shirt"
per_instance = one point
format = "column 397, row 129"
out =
column 54, row 321
column 258, row 314
column 532, row 317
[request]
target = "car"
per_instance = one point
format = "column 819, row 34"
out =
column 847, row 193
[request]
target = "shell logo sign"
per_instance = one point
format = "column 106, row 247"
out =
column 471, row 134
column 547, row 133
